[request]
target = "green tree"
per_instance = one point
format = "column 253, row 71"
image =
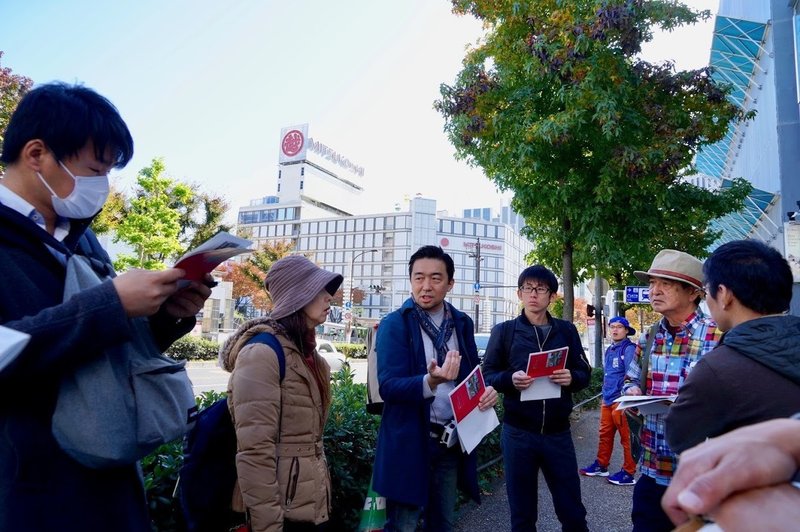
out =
column 555, row 105
column 151, row 224
column 12, row 88
column 112, row 214
column 202, row 218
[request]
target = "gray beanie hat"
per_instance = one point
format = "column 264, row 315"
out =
column 294, row 281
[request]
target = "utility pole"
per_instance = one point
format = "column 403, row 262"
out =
column 598, row 321
column 477, row 286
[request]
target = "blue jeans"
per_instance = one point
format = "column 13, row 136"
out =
column 442, row 483
column 524, row 454
column 646, row 513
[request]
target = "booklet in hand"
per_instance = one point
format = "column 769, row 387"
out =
column 211, row 254
column 646, row 404
column 545, row 363
column 472, row 424
column 540, row 366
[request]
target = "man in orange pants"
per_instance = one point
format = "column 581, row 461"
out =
column 617, row 358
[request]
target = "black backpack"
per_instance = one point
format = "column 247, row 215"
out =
column 208, row 474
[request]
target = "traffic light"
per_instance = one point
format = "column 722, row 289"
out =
column 590, row 311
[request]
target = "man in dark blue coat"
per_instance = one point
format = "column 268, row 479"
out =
column 424, row 350
column 59, row 146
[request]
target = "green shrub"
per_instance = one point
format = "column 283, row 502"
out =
column 352, row 350
column 193, row 348
column 594, row 388
column 350, row 437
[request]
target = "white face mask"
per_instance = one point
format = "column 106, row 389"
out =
column 86, row 198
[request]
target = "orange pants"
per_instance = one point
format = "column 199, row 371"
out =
column 611, row 421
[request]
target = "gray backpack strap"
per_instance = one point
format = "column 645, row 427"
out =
column 651, row 337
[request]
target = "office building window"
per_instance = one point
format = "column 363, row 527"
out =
column 360, row 224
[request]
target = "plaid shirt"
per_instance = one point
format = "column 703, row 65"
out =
column 671, row 360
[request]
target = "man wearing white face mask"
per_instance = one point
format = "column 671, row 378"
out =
column 60, row 144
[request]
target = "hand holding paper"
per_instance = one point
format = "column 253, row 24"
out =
column 548, row 373
column 472, row 403
column 210, row 254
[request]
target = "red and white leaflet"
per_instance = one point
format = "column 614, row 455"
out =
column 544, row 363
column 472, row 424
column 540, row 366
column 211, row 254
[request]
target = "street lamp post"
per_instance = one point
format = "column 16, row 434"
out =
column 349, row 303
column 478, row 259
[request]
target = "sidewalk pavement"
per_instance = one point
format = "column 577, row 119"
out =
column 608, row 506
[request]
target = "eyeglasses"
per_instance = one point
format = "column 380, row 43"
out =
column 537, row 289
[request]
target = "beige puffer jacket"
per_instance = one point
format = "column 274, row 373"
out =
column 281, row 463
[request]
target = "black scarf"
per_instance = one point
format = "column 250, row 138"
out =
column 438, row 335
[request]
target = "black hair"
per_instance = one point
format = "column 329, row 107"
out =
column 757, row 274
column 66, row 117
column 433, row 252
column 541, row 274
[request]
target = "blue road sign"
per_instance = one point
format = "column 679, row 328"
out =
column 348, row 305
column 477, row 286
column 637, row 294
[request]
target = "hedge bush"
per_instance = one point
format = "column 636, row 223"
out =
column 193, row 348
column 350, row 440
column 594, row 388
column 352, row 350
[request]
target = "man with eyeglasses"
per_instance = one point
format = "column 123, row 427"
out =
column 682, row 337
column 615, row 364
column 536, row 433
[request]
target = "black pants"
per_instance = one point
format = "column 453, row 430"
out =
column 646, row 514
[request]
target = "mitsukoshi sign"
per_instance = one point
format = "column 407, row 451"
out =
column 296, row 146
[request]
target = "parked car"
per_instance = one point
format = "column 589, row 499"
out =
column 481, row 340
column 336, row 360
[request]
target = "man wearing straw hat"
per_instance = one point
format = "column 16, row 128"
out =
column 681, row 338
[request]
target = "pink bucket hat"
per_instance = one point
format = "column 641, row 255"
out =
column 294, row 281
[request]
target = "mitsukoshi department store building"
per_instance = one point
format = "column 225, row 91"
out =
column 316, row 191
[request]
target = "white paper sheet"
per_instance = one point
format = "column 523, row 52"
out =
column 12, row 342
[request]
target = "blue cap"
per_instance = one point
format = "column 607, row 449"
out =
column 620, row 319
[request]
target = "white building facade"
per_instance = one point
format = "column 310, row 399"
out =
column 316, row 189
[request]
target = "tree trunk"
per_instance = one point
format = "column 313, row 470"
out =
column 568, row 281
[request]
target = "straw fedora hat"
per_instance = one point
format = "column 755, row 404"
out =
column 674, row 265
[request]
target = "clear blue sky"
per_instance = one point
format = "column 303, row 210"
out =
column 208, row 85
